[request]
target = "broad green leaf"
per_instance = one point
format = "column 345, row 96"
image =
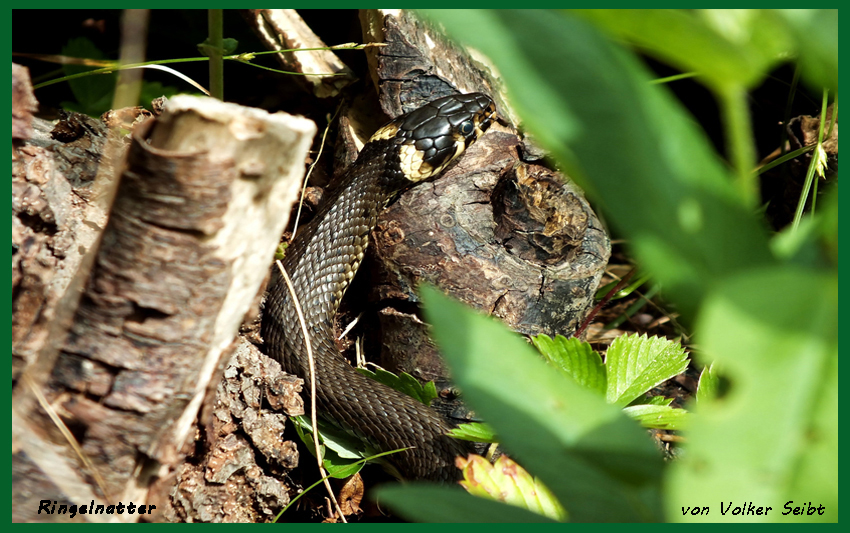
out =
column 638, row 363
column 475, row 432
column 724, row 46
column 774, row 334
column 506, row 481
column 598, row 463
column 663, row 186
column 575, row 359
column 404, row 383
column 421, row 502
column 658, row 416
column 336, row 466
column 346, row 446
column 94, row 93
column 816, row 33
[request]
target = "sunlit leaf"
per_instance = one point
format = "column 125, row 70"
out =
column 508, row 482
column 575, row 359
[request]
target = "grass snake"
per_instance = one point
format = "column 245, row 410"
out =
column 322, row 260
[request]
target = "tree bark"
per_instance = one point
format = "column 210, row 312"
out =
column 202, row 200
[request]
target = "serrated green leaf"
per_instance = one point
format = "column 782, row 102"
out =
column 638, row 363
column 404, row 383
column 596, row 461
column 658, row 416
column 575, row 359
column 475, row 432
column 508, row 482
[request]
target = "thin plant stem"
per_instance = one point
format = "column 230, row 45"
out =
column 310, row 171
column 242, row 58
column 215, row 28
column 810, row 174
column 312, row 364
column 739, row 140
column 675, row 77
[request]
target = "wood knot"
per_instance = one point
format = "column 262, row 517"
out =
column 537, row 217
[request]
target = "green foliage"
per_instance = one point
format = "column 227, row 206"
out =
column 422, row 502
column 475, row 432
column 344, row 455
column 403, row 382
column 508, row 482
column 635, row 364
column 93, row 93
column 599, row 464
column 341, row 453
column 775, row 334
column 228, row 47
column 724, row 46
column 575, row 359
column 767, row 320
column 708, row 384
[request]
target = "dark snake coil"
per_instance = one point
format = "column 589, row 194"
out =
column 322, row 261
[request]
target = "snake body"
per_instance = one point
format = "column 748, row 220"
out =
column 322, row 260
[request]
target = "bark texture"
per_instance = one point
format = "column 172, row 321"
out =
column 189, row 239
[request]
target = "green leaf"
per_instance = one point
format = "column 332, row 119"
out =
column 93, row 93
column 508, row 482
column 724, row 46
column 475, row 432
column 228, row 47
column 596, row 461
column 340, row 452
column 679, row 209
column 774, row 334
column 334, row 438
column 816, row 33
column 636, row 364
column 708, row 384
column 421, row 502
column 575, row 359
column 655, row 400
column 658, row 416
column 404, row 383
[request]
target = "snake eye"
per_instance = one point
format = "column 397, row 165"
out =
column 466, row 128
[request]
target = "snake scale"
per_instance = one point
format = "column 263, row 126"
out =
column 322, row 260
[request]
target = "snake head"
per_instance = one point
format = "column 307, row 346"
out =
column 433, row 135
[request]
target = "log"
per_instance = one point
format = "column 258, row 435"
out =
column 202, row 200
column 499, row 230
